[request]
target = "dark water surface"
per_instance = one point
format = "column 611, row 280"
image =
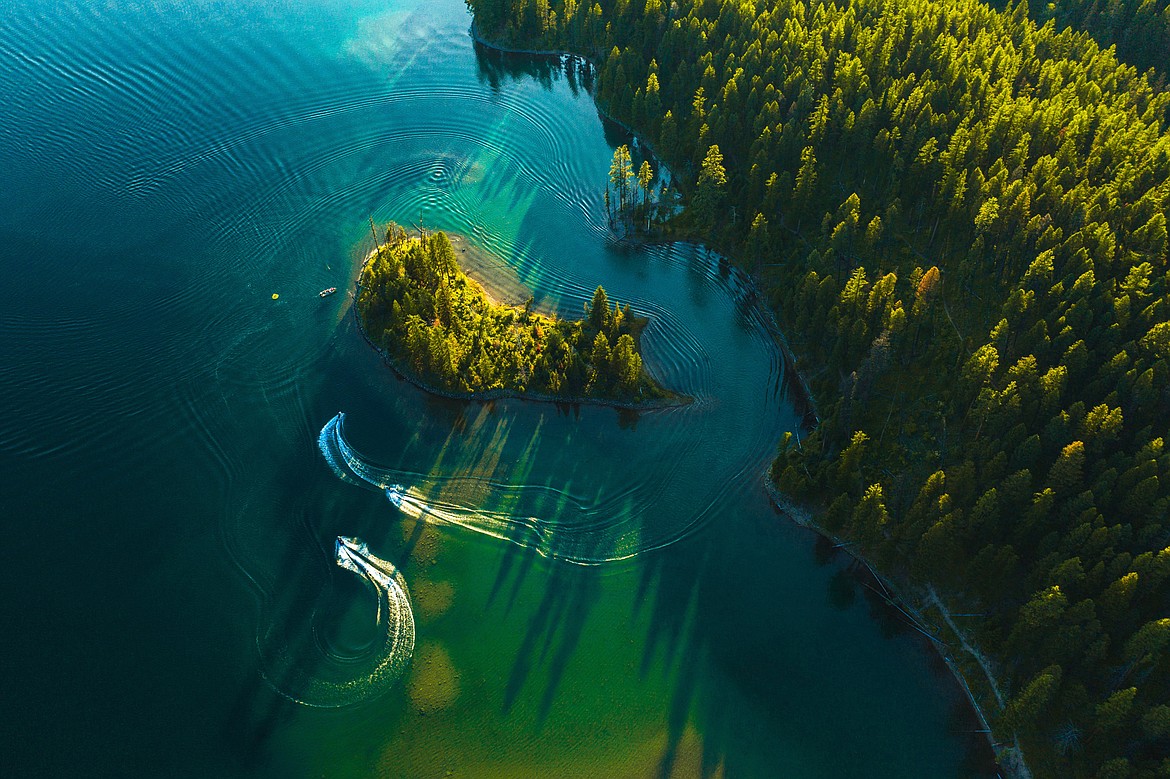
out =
column 168, row 519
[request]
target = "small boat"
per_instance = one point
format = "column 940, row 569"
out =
column 326, row 292
column 395, row 493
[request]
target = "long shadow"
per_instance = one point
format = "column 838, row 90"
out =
column 541, row 624
column 525, row 561
column 516, row 563
column 704, row 580
column 676, row 576
column 584, row 594
column 706, row 634
column 515, row 556
column 554, row 631
column 681, row 702
column 300, row 577
column 258, row 710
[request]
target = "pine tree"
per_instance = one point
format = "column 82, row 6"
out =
column 621, row 173
column 598, row 310
column 627, row 365
column 645, row 178
column 601, row 369
column 806, row 181
column 710, row 189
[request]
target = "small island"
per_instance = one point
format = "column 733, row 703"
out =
column 440, row 328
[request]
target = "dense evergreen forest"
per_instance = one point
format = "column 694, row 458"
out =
column 960, row 218
column 417, row 304
column 1140, row 29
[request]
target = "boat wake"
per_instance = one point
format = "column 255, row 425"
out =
column 585, row 533
column 324, row 675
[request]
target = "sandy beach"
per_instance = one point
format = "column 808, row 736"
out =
column 497, row 278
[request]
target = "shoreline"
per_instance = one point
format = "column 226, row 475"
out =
column 1010, row 758
column 805, row 403
column 643, row 142
column 657, row 404
column 498, row 280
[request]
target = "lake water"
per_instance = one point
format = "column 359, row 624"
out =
column 169, row 589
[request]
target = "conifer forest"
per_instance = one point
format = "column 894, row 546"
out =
column 435, row 322
column 958, row 213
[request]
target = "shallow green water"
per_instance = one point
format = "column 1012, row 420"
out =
column 169, row 519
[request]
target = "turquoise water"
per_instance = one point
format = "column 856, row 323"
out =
column 170, row 597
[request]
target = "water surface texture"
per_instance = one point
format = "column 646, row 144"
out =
column 168, row 577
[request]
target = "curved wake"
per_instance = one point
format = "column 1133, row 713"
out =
column 583, row 533
column 304, row 676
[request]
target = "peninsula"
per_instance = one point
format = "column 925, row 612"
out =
column 440, row 328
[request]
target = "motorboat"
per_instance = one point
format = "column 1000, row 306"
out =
column 353, row 554
column 394, row 493
column 326, row 292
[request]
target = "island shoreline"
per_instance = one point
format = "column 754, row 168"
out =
column 656, row 404
column 796, row 388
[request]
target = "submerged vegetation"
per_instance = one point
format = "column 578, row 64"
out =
column 418, row 305
column 960, row 218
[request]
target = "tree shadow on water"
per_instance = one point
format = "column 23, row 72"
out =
column 301, row 575
column 673, row 646
column 553, row 632
column 259, row 710
column 516, row 563
column 494, row 66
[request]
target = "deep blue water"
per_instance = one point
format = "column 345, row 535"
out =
column 168, row 588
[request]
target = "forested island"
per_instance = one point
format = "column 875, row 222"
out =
column 959, row 217
column 418, row 306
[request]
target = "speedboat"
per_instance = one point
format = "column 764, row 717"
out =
column 353, row 554
column 394, row 494
column 326, row 292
